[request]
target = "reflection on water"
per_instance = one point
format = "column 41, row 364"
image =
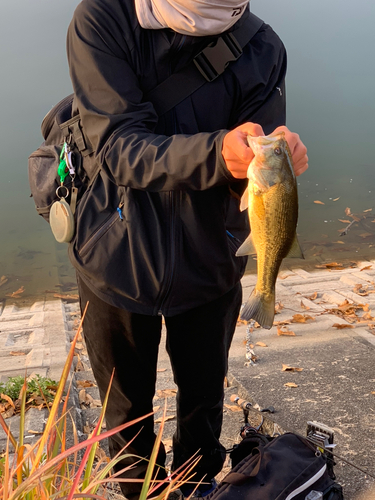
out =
column 330, row 104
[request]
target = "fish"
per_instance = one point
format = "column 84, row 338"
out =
column 271, row 199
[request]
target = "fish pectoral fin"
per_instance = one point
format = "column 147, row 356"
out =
column 295, row 250
column 247, row 247
column 244, row 200
column 260, row 308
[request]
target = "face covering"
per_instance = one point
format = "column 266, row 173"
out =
column 190, row 17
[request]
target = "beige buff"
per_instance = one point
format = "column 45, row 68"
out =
column 190, row 17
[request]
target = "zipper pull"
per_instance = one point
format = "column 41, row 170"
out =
column 119, row 210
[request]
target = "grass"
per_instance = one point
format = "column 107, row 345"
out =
column 48, row 470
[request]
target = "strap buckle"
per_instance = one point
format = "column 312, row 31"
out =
column 213, row 60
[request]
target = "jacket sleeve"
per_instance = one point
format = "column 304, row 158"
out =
column 120, row 126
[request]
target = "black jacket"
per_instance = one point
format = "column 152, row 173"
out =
column 158, row 230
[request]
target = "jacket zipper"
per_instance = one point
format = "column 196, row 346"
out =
column 172, row 257
column 102, row 229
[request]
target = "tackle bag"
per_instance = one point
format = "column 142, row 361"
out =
column 285, row 467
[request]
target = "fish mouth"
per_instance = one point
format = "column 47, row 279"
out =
column 264, row 141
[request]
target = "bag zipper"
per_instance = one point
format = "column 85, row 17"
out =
column 102, row 229
column 308, row 483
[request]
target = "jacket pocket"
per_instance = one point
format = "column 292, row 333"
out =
column 99, row 232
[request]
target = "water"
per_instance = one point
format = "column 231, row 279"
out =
column 330, row 104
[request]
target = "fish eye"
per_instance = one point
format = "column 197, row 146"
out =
column 277, row 151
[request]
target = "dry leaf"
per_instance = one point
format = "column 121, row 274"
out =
column 313, row 296
column 7, row 398
column 365, row 235
column 17, row 353
column 82, row 396
column 304, row 306
column 156, row 408
column 290, row 384
column 341, row 326
column 301, row 318
column 347, row 211
column 344, row 221
column 66, row 297
column 261, row 344
column 285, row 331
column 318, row 202
column 336, row 199
column 160, row 420
column 85, row 383
column 34, row 432
column 233, row 408
column 159, row 370
column 166, row 393
column 3, row 280
column 365, row 268
column 287, row 368
column 16, row 294
column 339, row 242
column 279, row 307
column 368, row 210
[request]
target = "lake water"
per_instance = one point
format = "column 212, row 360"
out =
column 330, row 95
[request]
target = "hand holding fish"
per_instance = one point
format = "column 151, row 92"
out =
column 237, row 154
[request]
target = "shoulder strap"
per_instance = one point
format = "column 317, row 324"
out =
column 205, row 67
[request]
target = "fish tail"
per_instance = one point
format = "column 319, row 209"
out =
column 261, row 308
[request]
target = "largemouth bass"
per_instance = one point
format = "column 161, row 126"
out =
column 272, row 202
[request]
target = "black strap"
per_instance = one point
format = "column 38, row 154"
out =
column 205, row 67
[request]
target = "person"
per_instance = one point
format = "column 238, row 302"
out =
column 160, row 224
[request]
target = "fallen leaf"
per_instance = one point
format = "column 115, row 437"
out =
column 301, row 318
column 161, row 419
column 285, row 331
column 304, row 306
column 3, row 280
column 16, row 294
column 368, row 210
column 66, row 297
column 82, row 396
column 341, row 326
column 365, row 268
column 85, row 383
column 345, row 221
column 159, row 370
column 261, row 344
column 279, row 307
column 336, row 199
column 17, row 353
column 287, row 368
column 290, row 384
column 166, row 393
column 34, row 432
column 156, row 408
column 7, row 398
column 319, row 202
column 347, row 211
column 339, row 242
column 233, row 407
column 313, row 296
column 365, row 235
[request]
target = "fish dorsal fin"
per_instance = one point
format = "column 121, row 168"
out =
column 244, row 200
column 295, row 250
column 247, row 247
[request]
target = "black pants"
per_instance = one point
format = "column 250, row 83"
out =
column 197, row 342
